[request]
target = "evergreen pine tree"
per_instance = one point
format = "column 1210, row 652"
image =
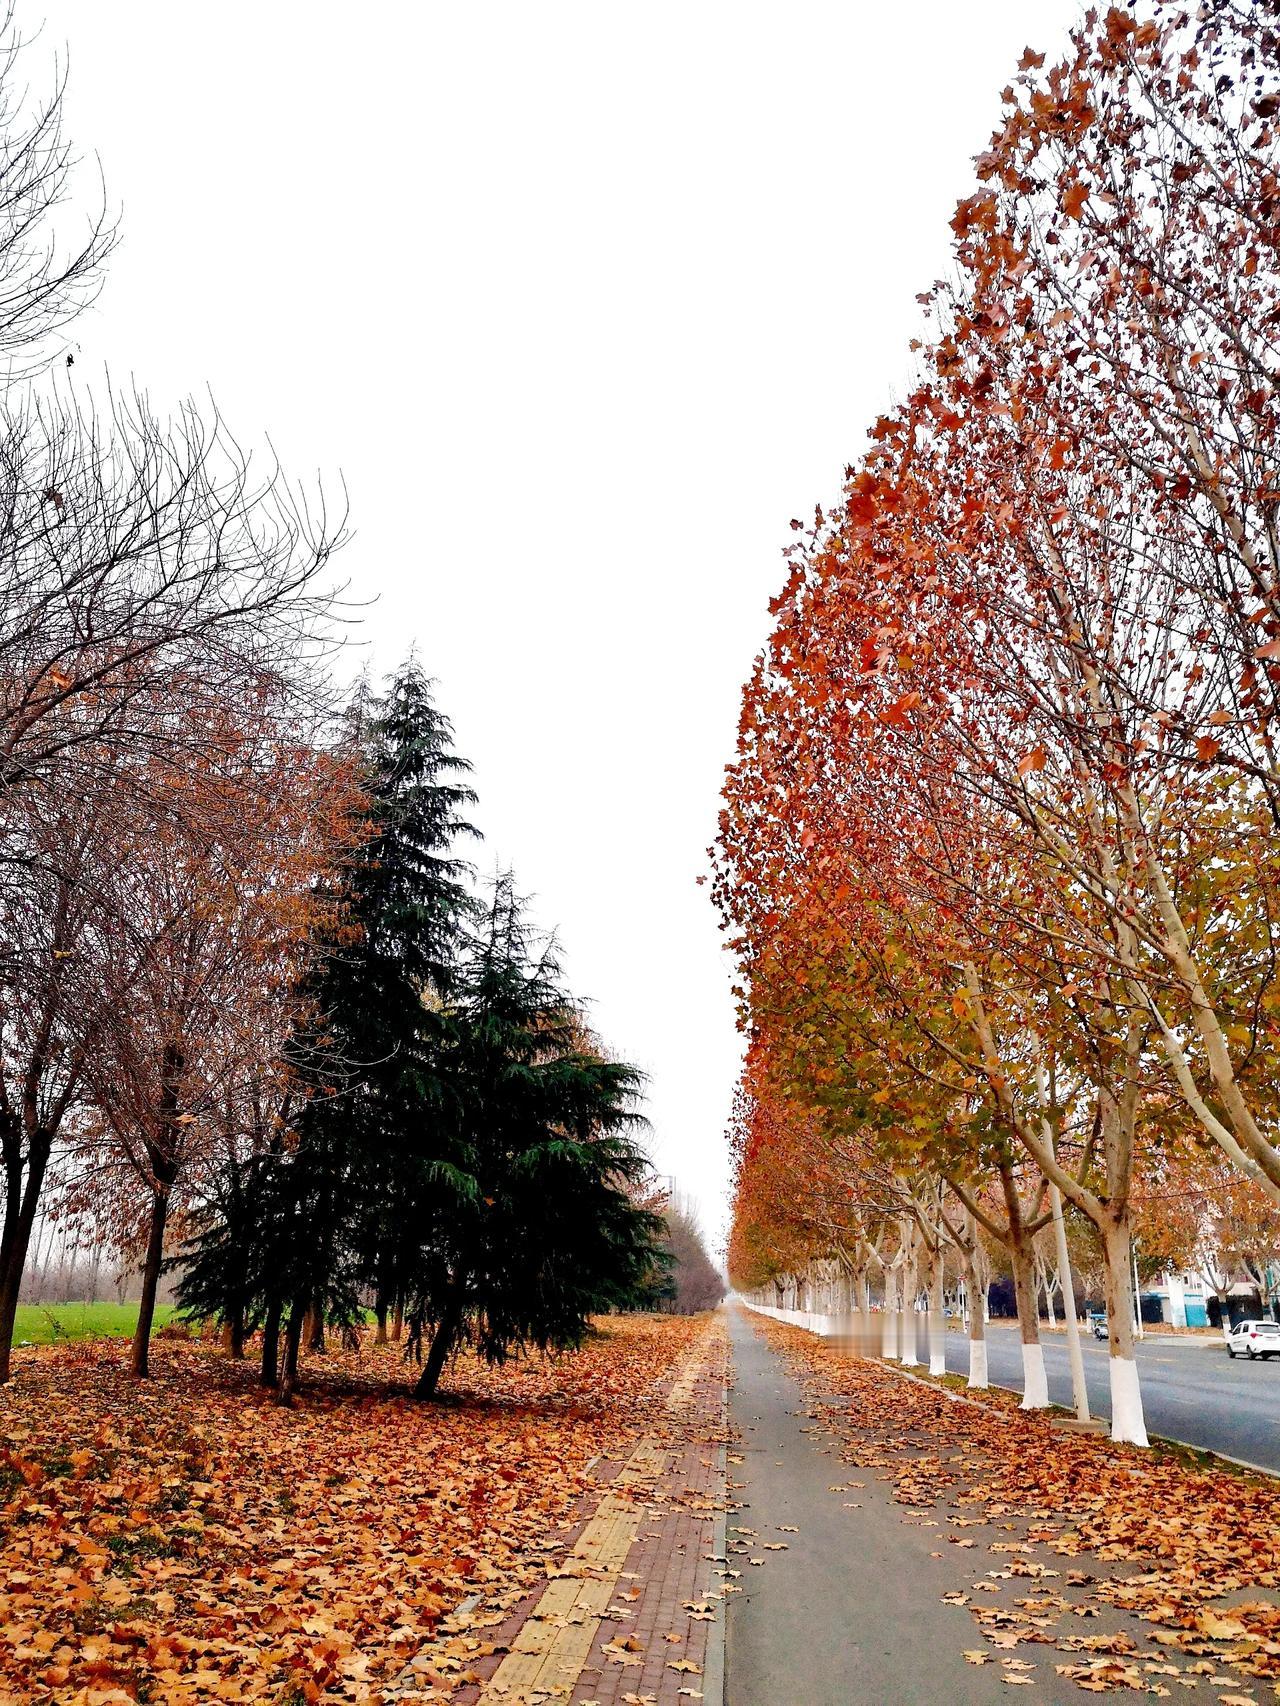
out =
column 325, row 1216
column 384, row 996
column 525, row 1224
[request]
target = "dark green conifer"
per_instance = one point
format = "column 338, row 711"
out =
column 527, row 1221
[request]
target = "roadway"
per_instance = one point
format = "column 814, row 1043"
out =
column 1191, row 1389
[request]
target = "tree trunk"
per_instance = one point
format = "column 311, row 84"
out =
column 140, row 1359
column 889, row 1334
column 397, row 1321
column 314, row 1339
column 443, row 1341
column 380, row 1310
column 289, row 1363
column 1127, row 1420
column 21, row 1198
column 862, row 1313
column 907, row 1316
column 232, row 1334
column 937, row 1321
column 270, row 1373
column 1079, row 1389
column 1035, row 1387
column 977, row 1324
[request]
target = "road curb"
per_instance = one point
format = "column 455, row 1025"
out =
column 717, row 1637
column 993, row 1410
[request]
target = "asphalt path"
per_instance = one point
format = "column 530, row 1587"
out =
column 1191, row 1389
column 840, row 1588
column 849, row 1613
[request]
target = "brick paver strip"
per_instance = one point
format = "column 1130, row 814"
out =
column 643, row 1568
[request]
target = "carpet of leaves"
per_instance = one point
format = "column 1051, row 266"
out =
column 187, row 1539
column 1122, row 1560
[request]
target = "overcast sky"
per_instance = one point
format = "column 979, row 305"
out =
column 584, row 302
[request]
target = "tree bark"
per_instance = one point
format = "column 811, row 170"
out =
column 314, row 1339
column 397, row 1323
column 140, row 1358
column 232, row 1335
column 977, row 1323
column 889, row 1334
column 1079, row 1389
column 1035, row 1387
column 380, row 1310
column 907, row 1313
column 937, row 1320
column 270, row 1373
column 289, row 1363
column 22, row 1195
column 1127, row 1420
column 442, row 1343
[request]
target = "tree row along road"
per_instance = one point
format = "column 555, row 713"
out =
column 1191, row 1389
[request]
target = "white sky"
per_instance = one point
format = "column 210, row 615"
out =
column 585, row 301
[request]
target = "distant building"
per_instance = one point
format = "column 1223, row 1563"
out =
column 1183, row 1301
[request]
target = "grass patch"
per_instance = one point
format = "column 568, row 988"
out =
column 1196, row 1458
column 59, row 1323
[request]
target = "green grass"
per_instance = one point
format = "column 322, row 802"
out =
column 43, row 1323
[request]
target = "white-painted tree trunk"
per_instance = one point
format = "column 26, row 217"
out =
column 907, row 1315
column 1079, row 1390
column 1035, row 1387
column 889, row 1343
column 937, row 1323
column 1035, row 1390
column 978, row 1364
column 1128, row 1423
column 977, row 1323
column 907, row 1332
column 1127, row 1420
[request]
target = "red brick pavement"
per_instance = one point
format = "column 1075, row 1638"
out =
column 673, row 1580
column 673, row 1569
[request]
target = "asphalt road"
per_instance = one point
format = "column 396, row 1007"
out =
column 1191, row 1389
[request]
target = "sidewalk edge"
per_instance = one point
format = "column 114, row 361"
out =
column 714, row 1664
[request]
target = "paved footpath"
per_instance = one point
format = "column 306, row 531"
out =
column 635, row 1615
column 819, row 1587
column 852, row 1612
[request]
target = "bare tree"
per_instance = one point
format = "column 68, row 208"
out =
column 46, row 277
column 698, row 1283
column 151, row 573
column 135, row 551
column 51, row 1013
column 216, row 909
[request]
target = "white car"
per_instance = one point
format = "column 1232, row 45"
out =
column 1254, row 1338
